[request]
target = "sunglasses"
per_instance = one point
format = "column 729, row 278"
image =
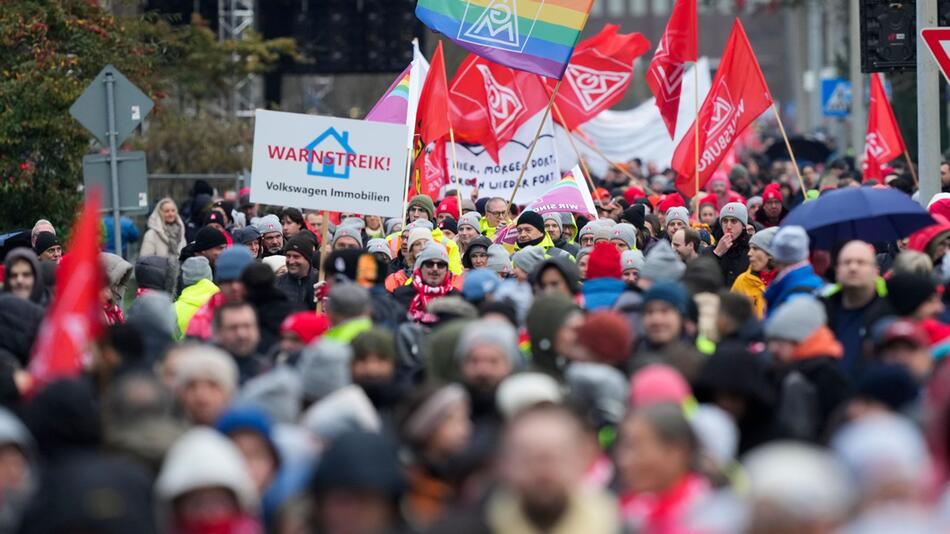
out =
column 434, row 265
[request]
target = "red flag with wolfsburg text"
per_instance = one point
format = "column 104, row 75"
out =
column 678, row 45
column 75, row 317
column 883, row 142
column 738, row 96
column 598, row 75
column 489, row 102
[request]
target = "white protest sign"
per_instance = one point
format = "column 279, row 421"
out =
column 327, row 163
column 498, row 180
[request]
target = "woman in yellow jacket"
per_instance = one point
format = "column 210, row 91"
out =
column 756, row 279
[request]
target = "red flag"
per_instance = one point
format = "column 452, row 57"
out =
column 883, row 141
column 738, row 96
column 432, row 119
column 598, row 75
column 429, row 171
column 490, row 102
column 678, row 45
column 75, row 317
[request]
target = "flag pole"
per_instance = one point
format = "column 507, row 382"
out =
column 455, row 165
column 910, row 166
column 580, row 158
column 534, row 142
column 324, row 237
column 696, row 125
column 788, row 145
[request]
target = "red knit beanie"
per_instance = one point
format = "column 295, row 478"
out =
column 772, row 192
column 449, row 205
column 604, row 262
column 670, row 201
column 608, row 336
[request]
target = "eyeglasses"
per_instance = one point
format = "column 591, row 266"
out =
column 496, row 213
column 434, row 265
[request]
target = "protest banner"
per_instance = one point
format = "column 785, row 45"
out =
column 476, row 167
column 328, row 163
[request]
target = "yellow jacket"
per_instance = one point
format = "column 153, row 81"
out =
column 750, row 285
column 455, row 256
column 191, row 299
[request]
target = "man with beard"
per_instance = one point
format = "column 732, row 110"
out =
column 542, row 464
column 552, row 225
column 272, row 235
column 487, row 353
column 298, row 282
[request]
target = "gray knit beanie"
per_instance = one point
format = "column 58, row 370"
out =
column 324, row 368
column 796, row 320
column 498, row 259
column 496, row 333
column 790, row 245
column 631, row 259
column 625, row 232
column 194, row 269
column 662, row 263
column 528, row 258
column 763, row 240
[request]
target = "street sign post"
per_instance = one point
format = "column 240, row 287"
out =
column 111, row 108
column 928, row 101
column 133, row 193
column 938, row 42
column 836, row 97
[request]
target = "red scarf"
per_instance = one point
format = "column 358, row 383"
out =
column 767, row 276
column 424, row 294
column 664, row 513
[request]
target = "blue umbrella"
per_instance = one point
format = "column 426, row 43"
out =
column 870, row 214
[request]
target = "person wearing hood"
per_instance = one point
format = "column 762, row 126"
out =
column 155, row 273
column 20, row 322
column 556, row 275
column 805, row 361
column 795, row 274
column 552, row 324
column 603, row 285
column 153, row 316
column 732, row 248
column 436, row 428
column 476, row 253
column 487, row 353
column 165, row 233
column 198, row 290
column 205, row 486
column 21, row 276
column 773, row 210
column 47, row 248
column 553, row 225
column 373, row 368
column 530, row 227
column 761, row 272
column 118, row 272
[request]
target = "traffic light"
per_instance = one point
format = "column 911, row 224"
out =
column 888, row 35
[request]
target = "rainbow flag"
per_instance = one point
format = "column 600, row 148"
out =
column 532, row 35
column 394, row 105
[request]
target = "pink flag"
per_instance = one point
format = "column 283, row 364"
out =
column 394, row 105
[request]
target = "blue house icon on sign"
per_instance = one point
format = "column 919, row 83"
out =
column 329, row 143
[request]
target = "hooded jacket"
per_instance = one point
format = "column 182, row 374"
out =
column 38, row 295
column 811, row 387
column 155, row 242
column 118, row 273
column 751, row 285
column 480, row 241
column 567, row 269
column 155, row 272
column 19, row 323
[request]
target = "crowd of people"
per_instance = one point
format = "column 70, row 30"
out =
column 659, row 367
